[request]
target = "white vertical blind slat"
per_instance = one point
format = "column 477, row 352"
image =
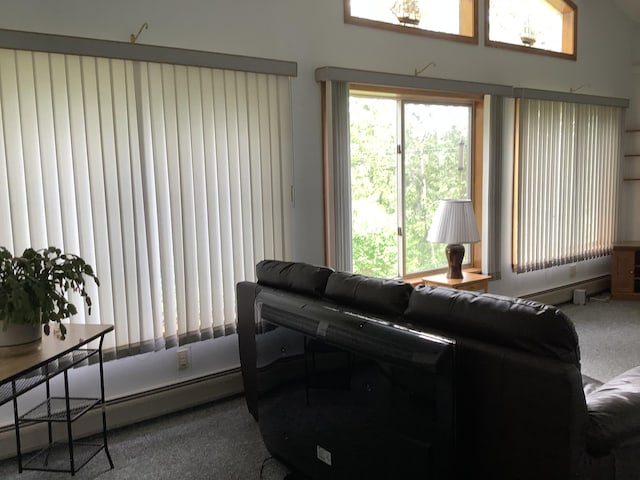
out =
column 158, row 171
column 6, row 233
column 265, row 158
column 204, row 321
column 254, row 135
column 65, row 174
column 285, row 143
column 148, row 233
column 187, row 281
column 213, row 198
column 47, row 149
column 31, row 148
column 235, row 189
column 13, row 150
column 245, row 269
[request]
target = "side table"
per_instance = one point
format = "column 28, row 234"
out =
column 470, row 281
column 19, row 374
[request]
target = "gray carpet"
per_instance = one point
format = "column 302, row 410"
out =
column 609, row 335
column 222, row 441
column 219, row 441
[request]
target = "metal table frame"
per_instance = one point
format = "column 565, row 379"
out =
column 20, row 374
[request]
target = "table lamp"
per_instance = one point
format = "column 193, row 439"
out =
column 454, row 224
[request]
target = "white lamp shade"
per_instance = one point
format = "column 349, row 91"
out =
column 454, row 222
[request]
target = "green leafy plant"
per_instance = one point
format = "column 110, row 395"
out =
column 34, row 287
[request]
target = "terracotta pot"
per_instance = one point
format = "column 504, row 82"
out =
column 19, row 339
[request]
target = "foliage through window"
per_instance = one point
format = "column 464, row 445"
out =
column 405, row 156
column 541, row 26
column 455, row 19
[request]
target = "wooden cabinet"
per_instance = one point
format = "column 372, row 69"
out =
column 625, row 271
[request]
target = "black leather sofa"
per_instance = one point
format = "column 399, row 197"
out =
column 523, row 408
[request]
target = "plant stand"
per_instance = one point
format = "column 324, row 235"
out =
column 20, row 374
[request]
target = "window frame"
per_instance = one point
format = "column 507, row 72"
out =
column 569, row 12
column 468, row 24
column 476, row 102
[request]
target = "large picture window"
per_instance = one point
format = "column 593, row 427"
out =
column 452, row 19
column 407, row 153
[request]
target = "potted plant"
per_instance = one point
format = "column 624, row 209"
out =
column 34, row 287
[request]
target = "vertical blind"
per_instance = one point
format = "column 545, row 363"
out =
column 172, row 181
column 337, row 176
column 568, row 174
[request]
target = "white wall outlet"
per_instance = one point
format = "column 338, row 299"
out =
column 323, row 455
column 184, row 358
column 573, row 270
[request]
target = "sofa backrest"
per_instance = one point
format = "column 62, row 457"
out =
column 524, row 325
column 295, row 276
column 380, row 296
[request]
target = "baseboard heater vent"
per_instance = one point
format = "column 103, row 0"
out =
column 128, row 410
column 564, row 294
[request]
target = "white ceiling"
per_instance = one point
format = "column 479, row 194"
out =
column 630, row 7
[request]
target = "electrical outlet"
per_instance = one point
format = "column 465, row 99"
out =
column 184, row 360
column 573, row 270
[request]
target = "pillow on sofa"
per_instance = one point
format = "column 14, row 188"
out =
column 372, row 294
column 512, row 322
column 296, row 276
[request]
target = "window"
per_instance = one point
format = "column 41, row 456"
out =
column 539, row 26
column 452, row 19
column 567, row 177
column 407, row 153
column 172, row 180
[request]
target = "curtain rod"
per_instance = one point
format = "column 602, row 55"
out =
column 350, row 75
column 44, row 42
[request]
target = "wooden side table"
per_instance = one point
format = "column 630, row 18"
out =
column 471, row 281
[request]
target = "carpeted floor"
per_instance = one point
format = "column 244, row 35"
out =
column 609, row 335
column 219, row 441
column 222, row 441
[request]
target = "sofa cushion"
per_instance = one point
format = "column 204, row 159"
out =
column 614, row 412
column 371, row 294
column 525, row 325
column 295, row 276
column 590, row 384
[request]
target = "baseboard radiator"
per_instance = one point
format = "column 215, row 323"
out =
column 564, row 294
column 128, row 410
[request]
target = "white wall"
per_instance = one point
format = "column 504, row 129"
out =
column 313, row 34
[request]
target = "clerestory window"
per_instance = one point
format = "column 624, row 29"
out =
column 452, row 19
column 546, row 27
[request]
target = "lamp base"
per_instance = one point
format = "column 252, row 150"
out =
column 455, row 254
